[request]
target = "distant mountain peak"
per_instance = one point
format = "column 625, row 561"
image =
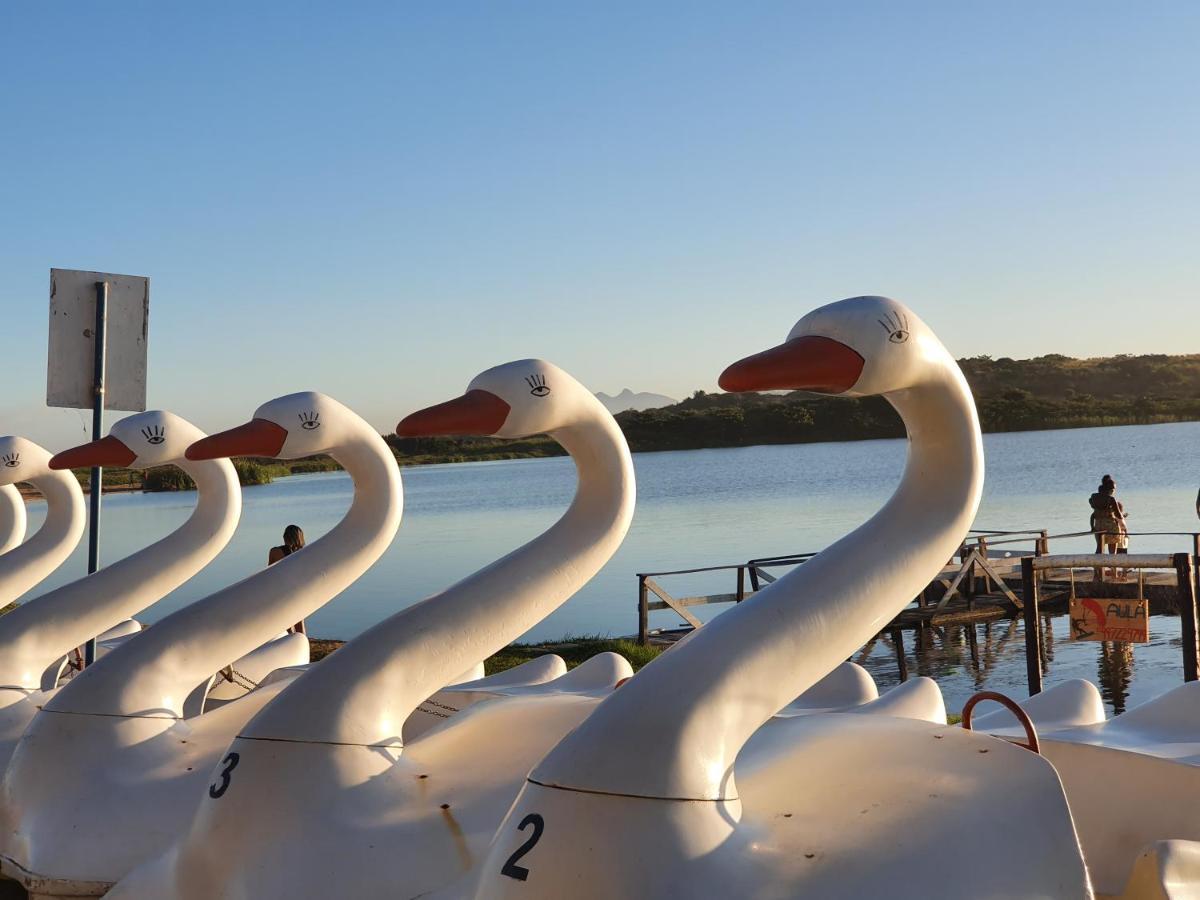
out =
column 629, row 399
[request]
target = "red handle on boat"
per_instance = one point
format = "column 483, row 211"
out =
column 1009, row 704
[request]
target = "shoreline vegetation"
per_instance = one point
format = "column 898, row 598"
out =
column 1044, row 393
column 574, row 649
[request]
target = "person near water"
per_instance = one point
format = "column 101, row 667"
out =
column 1108, row 519
column 293, row 540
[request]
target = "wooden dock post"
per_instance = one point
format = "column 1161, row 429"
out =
column 901, row 663
column 1187, row 615
column 987, row 579
column 643, row 612
column 1196, row 560
column 1041, row 547
column 741, row 584
column 1033, row 626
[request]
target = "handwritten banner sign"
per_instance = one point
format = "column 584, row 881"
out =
column 1109, row 619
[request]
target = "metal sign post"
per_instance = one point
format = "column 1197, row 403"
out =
column 97, row 360
column 97, row 477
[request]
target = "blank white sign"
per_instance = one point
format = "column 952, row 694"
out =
column 73, row 340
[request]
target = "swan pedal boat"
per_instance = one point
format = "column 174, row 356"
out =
column 420, row 811
column 140, row 710
column 432, row 796
column 38, row 638
column 25, row 565
column 366, row 731
column 1132, row 782
column 672, row 787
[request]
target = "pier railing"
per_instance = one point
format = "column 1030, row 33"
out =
column 987, row 563
column 989, row 542
column 749, row 576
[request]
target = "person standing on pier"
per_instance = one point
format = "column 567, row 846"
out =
column 1108, row 521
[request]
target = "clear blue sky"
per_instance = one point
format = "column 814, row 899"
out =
column 378, row 200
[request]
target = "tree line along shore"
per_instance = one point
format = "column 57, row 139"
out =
column 1047, row 392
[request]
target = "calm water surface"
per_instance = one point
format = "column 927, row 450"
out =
column 707, row 507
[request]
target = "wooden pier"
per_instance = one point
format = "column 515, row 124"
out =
column 989, row 581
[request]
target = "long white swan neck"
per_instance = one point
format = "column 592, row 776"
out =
column 364, row 692
column 12, row 518
column 674, row 731
column 154, row 674
column 36, row 634
column 23, row 567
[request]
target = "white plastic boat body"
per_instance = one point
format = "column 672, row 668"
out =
column 1132, row 782
column 36, row 638
column 388, row 760
column 646, row 797
column 25, row 566
column 138, row 709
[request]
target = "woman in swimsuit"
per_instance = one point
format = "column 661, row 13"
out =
column 293, row 540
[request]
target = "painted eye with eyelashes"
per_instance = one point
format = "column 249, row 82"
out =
column 154, row 434
column 537, row 385
column 310, row 421
column 12, row 460
column 896, row 325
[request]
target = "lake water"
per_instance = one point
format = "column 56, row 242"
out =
column 709, row 507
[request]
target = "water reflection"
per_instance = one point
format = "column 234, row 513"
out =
column 1115, row 672
column 964, row 659
column 704, row 507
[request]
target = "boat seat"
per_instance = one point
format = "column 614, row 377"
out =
column 1167, row 727
column 1165, row 870
column 539, row 669
column 597, row 673
column 1071, row 704
column 847, row 685
column 917, row 698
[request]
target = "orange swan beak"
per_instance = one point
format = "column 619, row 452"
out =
column 475, row 412
column 108, row 451
column 258, row 437
column 808, row 363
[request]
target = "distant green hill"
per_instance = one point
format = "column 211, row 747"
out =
column 1012, row 395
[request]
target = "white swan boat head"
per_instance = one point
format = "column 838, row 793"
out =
column 289, row 427
column 152, row 438
column 20, row 460
column 861, row 347
column 513, row 400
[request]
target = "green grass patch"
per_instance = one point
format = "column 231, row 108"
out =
column 167, row 478
column 574, row 649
